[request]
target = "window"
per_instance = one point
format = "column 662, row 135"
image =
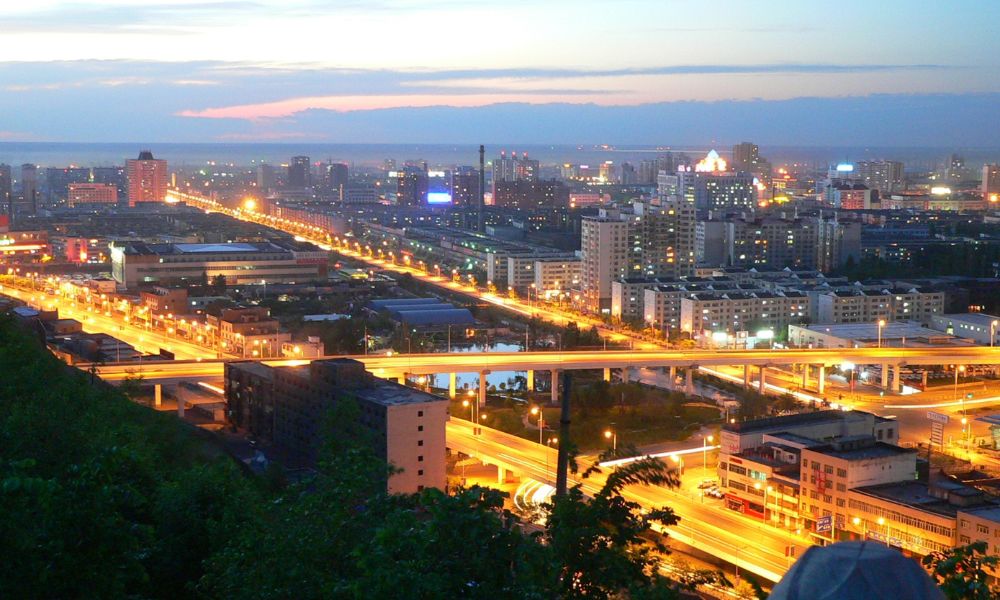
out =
column 420, row 442
column 840, row 502
column 420, row 427
column 982, row 529
column 964, row 539
column 828, row 469
column 420, row 413
column 841, row 487
column 420, row 472
column 420, row 459
column 420, row 488
column 841, row 472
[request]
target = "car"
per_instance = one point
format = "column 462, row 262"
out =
column 707, row 483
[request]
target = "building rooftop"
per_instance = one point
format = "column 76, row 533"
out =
column 788, row 421
column 981, row 319
column 910, row 493
column 866, row 452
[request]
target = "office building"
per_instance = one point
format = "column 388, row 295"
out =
column 137, row 263
column 528, row 195
column 147, row 179
column 88, row 194
column 411, row 186
column 266, row 178
column 288, row 406
column 991, row 184
column 847, row 195
column 746, row 157
column 884, row 176
column 299, row 173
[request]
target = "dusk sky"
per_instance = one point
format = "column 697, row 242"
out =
column 629, row 71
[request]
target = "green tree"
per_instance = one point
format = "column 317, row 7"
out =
column 961, row 572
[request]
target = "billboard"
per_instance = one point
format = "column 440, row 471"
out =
column 438, row 198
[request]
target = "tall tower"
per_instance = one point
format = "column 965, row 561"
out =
column 480, row 221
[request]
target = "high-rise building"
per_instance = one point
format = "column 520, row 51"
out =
column 530, row 195
column 147, row 179
column 990, row 185
column 299, row 173
column 29, row 189
column 605, row 257
column 335, row 179
column 628, row 174
column 514, row 168
column 954, row 168
column 6, row 189
column 266, row 178
column 465, row 186
column 886, row 176
column 746, row 157
column 711, row 186
column 411, row 186
column 112, row 175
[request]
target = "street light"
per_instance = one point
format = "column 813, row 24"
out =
column 611, row 434
column 881, row 324
column 959, row 369
column 993, row 331
column 541, row 421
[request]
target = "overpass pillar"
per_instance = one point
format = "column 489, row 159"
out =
column 554, row 398
column 897, row 379
column 625, row 375
column 763, row 380
column 452, row 384
column 746, row 377
column 482, row 388
column 885, row 376
column 689, row 379
column 530, row 376
column 158, row 395
column 501, row 474
column 673, row 377
column 821, row 380
column 401, row 380
column 607, row 374
column 805, row 376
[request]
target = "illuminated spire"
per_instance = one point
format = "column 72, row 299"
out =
column 712, row 163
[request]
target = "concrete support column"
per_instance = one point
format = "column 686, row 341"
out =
column 501, row 475
column 763, row 380
column 673, row 377
column 689, row 379
column 607, row 374
column 530, row 376
column 554, row 399
column 746, row 376
column 897, row 379
column 452, row 385
column 885, row 376
column 483, row 384
column 805, row 376
column 158, row 395
column 821, row 382
column 625, row 374
column 401, row 379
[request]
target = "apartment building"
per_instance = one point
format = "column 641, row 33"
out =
column 742, row 311
column 871, row 305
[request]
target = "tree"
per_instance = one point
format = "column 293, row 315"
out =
column 961, row 572
column 597, row 545
column 219, row 284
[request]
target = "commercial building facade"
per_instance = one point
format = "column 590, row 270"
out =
column 147, row 179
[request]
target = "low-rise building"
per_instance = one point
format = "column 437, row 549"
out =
column 871, row 305
column 288, row 406
column 979, row 327
column 248, row 332
column 860, row 335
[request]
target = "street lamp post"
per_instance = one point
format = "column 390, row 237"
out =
column 541, row 421
column 993, row 331
column 881, row 324
column 959, row 369
column 704, row 452
column 611, row 434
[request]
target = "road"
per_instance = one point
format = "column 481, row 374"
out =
column 705, row 524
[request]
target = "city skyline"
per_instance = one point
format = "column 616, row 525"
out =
column 418, row 71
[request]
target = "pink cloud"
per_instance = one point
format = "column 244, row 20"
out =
column 291, row 106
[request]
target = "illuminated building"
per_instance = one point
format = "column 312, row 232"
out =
column 147, row 179
column 798, row 243
column 990, row 185
column 23, row 243
column 528, row 195
column 886, row 176
column 709, row 186
column 299, row 173
column 514, row 168
column 58, row 180
column 286, row 406
column 465, row 186
column 412, row 185
column 112, row 176
column 91, row 193
column 849, row 196
column 746, row 157
column 136, row 263
column 29, row 189
column 335, row 179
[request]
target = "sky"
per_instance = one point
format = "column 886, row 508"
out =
column 889, row 72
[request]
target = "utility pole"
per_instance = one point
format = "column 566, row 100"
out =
column 562, row 462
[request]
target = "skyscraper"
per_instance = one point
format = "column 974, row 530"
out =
column 266, row 180
column 147, row 179
column 299, row 173
column 746, row 157
column 711, row 186
column 411, row 186
column 990, row 185
column 465, row 187
column 6, row 189
column 886, row 176
column 113, row 176
column 335, row 179
column 29, row 189
column 514, row 168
